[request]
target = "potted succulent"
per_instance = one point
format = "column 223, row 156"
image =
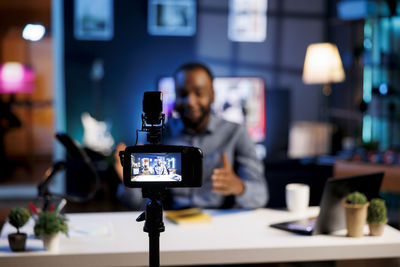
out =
column 377, row 217
column 48, row 225
column 18, row 217
column 356, row 207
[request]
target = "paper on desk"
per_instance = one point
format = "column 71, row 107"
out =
column 89, row 229
column 75, row 229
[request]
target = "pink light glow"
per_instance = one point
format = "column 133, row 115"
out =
column 16, row 78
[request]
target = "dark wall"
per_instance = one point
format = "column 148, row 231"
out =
column 134, row 60
column 278, row 118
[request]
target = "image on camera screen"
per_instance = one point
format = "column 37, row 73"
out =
column 156, row 167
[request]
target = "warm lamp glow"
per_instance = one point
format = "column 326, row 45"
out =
column 322, row 64
column 16, row 78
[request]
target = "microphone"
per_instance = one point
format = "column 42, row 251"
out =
column 73, row 148
column 43, row 187
column 48, row 175
column 77, row 152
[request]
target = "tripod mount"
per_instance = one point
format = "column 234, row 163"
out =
column 153, row 217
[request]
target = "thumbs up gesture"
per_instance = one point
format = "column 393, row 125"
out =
column 225, row 181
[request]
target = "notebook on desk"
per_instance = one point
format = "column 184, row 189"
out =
column 332, row 215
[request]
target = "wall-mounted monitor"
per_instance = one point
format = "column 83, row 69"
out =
column 237, row 99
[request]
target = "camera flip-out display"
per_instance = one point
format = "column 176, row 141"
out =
column 159, row 165
column 156, row 167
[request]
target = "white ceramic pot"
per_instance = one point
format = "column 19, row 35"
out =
column 51, row 242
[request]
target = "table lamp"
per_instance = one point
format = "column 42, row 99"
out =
column 16, row 78
column 323, row 65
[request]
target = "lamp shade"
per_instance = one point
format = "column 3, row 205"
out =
column 322, row 64
column 16, row 78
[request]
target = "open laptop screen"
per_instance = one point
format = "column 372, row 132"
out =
column 332, row 214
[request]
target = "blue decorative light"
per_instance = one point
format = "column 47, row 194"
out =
column 367, row 86
column 383, row 89
column 367, row 44
column 367, row 129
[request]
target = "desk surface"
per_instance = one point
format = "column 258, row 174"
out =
column 116, row 239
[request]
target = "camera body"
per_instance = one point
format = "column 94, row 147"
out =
column 162, row 166
column 155, row 165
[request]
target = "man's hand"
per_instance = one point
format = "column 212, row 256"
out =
column 225, row 181
column 117, row 162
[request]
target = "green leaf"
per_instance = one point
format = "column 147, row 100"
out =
column 377, row 212
column 18, row 217
column 356, row 198
column 49, row 222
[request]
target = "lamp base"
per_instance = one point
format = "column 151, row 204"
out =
column 327, row 89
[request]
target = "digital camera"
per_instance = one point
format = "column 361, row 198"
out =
column 160, row 165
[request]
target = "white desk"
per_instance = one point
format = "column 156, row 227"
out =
column 118, row 240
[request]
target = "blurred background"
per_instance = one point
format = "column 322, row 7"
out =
column 316, row 82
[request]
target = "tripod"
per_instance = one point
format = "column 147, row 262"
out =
column 154, row 225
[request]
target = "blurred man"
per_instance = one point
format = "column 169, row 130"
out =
column 233, row 176
column 159, row 168
column 146, row 170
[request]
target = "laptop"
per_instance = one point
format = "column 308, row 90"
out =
column 332, row 214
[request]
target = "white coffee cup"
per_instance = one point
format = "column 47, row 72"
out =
column 297, row 197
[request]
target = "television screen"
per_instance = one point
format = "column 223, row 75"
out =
column 237, row 99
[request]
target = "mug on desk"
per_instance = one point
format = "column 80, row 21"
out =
column 297, row 197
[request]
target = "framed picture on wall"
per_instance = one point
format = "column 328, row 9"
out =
column 174, row 18
column 94, row 20
column 247, row 20
column 237, row 99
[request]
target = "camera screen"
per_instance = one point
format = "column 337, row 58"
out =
column 156, row 167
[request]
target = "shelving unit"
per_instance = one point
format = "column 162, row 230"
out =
column 381, row 89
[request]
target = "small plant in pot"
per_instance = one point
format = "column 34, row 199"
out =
column 377, row 217
column 356, row 207
column 48, row 225
column 18, row 217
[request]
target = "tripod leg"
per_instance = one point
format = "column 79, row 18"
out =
column 154, row 246
column 154, row 224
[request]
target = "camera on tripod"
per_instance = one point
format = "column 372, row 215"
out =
column 156, row 165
